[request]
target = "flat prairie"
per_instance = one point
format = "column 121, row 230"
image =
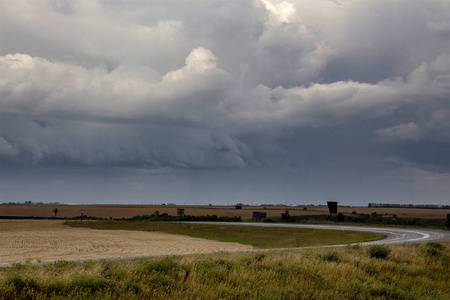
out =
column 128, row 211
column 51, row 240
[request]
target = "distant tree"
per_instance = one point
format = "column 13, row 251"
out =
column 55, row 211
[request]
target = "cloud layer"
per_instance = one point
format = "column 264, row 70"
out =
column 295, row 87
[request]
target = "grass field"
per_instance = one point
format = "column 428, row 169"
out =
column 128, row 211
column 259, row 237
column 410, row 271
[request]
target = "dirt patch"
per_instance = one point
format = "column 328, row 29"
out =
column 48, row 240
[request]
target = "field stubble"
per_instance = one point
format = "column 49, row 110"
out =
column 48, row 240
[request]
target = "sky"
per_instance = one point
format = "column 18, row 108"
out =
column 225, row 101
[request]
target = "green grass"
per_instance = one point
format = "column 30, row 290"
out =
column 259, row 237
column 411, row 271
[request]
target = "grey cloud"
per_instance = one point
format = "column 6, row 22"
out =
column 407, row 131
column 28, row 140
column 48, row 87
column 91, row 36
column 383, row 39
column 281, row 91
column 8, row 149
column 62, row 6
column 196, row 96
column 325, row 104
column 442, row 27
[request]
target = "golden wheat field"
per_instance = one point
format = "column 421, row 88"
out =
column 128, row 211
column 49, row 240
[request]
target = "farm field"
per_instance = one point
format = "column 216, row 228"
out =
column 128, row 211
column 49, row 240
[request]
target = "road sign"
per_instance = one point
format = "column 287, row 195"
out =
column 332, row 207
column 180, row 213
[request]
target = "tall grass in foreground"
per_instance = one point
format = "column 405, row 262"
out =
column 412, row 271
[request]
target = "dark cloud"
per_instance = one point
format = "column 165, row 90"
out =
column 241, row 100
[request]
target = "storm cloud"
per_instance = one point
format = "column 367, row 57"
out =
column 225, row 101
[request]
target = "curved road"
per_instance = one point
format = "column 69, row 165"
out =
column 393, row 235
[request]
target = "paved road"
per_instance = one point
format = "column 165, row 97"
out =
column 393, row 235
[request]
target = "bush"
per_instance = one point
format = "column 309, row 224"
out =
column 21, row 284
column 433, row 249
column 379, row 251
column 330, row 257
column 164, row 265
column 89, row 283
column 435, row 245
column 132, row 287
